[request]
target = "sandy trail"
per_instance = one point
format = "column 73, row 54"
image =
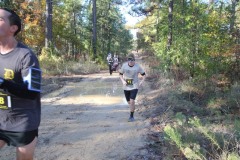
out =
column 87, row 120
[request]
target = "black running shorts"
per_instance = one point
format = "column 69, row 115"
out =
column 18, row 139
column 131, row 94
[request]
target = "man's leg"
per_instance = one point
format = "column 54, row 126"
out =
column 26, row 152
column 2, row 143
column 132, row 109
column 133, row 95
column 129, row 101
column 110, row 69
column 132, row 105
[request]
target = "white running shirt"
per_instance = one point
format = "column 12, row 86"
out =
column 130, row 75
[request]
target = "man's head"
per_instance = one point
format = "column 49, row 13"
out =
column 131, row 59
column 9, row 16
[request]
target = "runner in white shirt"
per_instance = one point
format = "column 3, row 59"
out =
column 129, row 77
column 110, row 62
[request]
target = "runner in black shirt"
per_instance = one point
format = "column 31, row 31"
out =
column 20, row 84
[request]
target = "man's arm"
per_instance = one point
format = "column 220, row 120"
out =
column 122, row 79
column 143, row 78
column 19, row 90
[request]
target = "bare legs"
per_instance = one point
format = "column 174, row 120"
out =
column 132, row 105
column 24, row 152
column 2, row 143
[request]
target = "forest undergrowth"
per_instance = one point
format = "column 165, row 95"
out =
column 196, row 119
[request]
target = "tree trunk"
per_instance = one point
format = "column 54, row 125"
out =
column 238, row 55
column 75, row 33
column 48, row 38
column 94, row 21
column 109, row 30
column 170, row 20
column 158, row 25
column 233, row 16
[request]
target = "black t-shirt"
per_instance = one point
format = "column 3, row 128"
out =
column 25, row 112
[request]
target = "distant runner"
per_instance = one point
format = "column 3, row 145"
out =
column 129, row 77
column 110, row 62
column 115, row 63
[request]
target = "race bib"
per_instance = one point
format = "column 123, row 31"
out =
column 129, row 81
column 5, row 101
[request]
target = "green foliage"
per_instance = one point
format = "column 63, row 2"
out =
column 231, row 156
column 49, row 62
column 190, row 154
column 237, row 127
column 181, row 118
column 233, row 97
column 201, row 37
column 173, row 135
column 196, row 123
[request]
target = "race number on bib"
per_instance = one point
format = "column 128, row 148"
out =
column 5, row 101
column 129, row 81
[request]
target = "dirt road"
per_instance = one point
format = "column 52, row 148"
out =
column 87, row 120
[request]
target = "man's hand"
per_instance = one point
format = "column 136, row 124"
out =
column 140, row 84
column 142, row 81
column 124, row 82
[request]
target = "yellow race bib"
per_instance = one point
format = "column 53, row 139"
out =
column 129, row 81
column 5, row 101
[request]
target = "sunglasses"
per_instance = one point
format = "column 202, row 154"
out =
column 131, row 59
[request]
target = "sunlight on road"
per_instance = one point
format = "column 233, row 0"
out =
column 94, row 92
column 99, row 93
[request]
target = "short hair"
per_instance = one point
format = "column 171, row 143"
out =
column 131, row 55
column 14, row 19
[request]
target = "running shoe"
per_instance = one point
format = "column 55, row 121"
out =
column 131, row 119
